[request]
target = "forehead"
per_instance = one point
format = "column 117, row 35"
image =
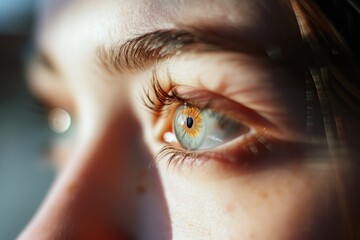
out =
column 71, row 31
column 114, row 20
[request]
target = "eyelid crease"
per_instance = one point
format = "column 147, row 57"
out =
column 159, row 101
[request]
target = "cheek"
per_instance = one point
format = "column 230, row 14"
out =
column 283, row 203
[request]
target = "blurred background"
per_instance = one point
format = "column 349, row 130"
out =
column 25, row 175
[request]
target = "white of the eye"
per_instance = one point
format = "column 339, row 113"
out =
column 59, row 120
column 216, row 139
column 216, row 135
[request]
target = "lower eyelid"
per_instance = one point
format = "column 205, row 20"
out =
column 246, row 147
column 236, row 158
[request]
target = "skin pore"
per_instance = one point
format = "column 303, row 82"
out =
column 269, row 184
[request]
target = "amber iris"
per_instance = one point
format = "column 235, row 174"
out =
column 192, row 120
column 189, row 126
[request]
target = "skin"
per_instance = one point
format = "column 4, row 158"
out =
column 105, row 188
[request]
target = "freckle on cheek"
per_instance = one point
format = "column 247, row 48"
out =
column 141, row 189
column 263, row 194
column 230, row 208
column 295, row 171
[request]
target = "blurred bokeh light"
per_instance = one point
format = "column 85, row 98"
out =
column 25, row 175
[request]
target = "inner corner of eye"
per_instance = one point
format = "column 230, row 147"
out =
column 169, row 137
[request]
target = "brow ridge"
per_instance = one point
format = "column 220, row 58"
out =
column 148, row 49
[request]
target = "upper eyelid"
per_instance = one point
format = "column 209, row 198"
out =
column 200, row 98
column 229, row 108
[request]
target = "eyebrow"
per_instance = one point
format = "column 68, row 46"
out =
column 148, row 49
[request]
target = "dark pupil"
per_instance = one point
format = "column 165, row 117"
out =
column 189, row 122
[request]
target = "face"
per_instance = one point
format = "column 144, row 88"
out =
column 189, row 122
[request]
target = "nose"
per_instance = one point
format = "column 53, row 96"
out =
column 105, row 190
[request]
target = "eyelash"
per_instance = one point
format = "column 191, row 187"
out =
column 160, row 106
column 164, row 99
column 160, row 102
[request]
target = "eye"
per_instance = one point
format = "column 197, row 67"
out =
column 200, row 129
